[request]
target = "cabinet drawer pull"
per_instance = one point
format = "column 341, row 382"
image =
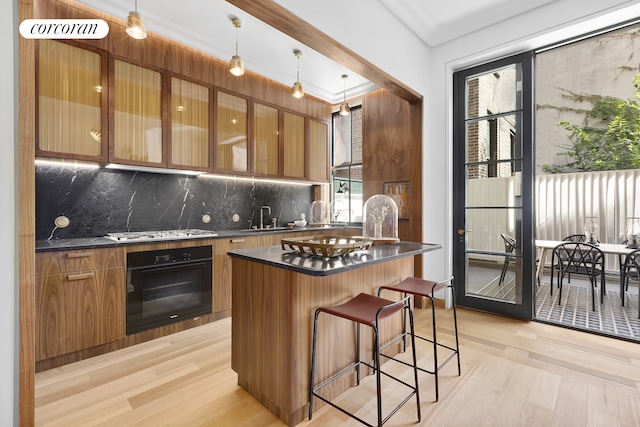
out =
column 79, row 254
column 237, row 240
column 80, row 276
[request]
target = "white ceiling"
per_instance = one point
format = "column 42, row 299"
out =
column 206, row 26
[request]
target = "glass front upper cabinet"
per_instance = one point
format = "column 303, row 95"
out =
column 294, row 146
column 266, row 135
column 189, row 125
column 318, row 151
column 71, row 101
column 231, row 134
column 137, row 115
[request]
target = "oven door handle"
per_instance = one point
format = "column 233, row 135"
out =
column 164, row 267
column 172, row 265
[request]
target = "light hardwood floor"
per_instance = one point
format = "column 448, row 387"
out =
column 514, row 373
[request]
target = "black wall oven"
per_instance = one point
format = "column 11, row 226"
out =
column 167, row 286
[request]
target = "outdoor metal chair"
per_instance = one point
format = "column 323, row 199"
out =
column 577, row 238
column 578, row 258
column 630, row 268
column 509, row 247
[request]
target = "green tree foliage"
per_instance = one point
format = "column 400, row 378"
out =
column 609, row 137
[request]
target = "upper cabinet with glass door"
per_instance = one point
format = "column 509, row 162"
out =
column 318, row 151
column 72, row 101
column 231, row 134
column 97, row 107
column 190, row 117
column 294, row 146
column 137, row 116
column 266, row 140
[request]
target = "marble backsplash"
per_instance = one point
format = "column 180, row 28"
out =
column 101, row 201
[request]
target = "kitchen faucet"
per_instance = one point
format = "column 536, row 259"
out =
column 261, row 217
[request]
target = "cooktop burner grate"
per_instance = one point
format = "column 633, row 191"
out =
column 160, row 234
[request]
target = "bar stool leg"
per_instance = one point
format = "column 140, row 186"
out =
column 455, row 326
column 313, row 361
column 376, row 352
column 415, row 359
column 435, row 345
column 358, row 353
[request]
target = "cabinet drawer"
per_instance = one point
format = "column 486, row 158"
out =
column 78, row 260
column 78, row 310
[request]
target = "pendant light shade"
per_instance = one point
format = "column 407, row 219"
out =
column 297, row 90
column 344, row 107
column 136, row 27
column 236, row 65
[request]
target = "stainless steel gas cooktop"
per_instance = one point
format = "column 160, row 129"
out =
column 189, row 233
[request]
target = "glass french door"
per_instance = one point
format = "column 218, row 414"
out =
column 494, row 256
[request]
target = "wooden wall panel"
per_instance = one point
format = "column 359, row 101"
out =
column 26, row 220
column 392, row 152
column 386, row 139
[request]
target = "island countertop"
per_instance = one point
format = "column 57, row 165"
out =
column 323, row 266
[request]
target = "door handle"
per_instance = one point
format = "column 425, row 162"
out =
column 461, row 231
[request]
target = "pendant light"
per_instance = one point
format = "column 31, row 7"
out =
column 236, row 65
column 297, row 90
column 344, row 107
column 136, row 27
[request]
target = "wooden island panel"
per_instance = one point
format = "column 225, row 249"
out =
column 272, row 329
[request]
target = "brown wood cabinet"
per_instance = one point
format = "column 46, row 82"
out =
column 294, row 146
column 72, row 101
column 81, row 295
column 266, row 140
column 103, row 106
column 222, row 269
column 232, row 132
column 190, row 118
column 318, row 151
column 137, row 115
column 80, row 300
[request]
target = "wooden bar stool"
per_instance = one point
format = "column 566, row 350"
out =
column 426, row 288
column 367, row 310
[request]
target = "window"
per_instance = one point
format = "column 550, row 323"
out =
column 346, row 203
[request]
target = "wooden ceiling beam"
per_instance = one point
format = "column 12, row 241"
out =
column 283, row 20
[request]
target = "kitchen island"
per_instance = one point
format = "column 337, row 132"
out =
column 274, row 295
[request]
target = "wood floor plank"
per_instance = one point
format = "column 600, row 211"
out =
column 544, row 390
column 513, row 373
column 629, row 409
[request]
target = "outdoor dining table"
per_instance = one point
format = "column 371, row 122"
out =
column 606, row 248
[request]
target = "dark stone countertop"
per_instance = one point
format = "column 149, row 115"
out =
column 319, row 266
column 100, row 242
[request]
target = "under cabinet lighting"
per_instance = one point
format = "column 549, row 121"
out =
column 67, row 164
column 256, row 180
column 151, row 169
